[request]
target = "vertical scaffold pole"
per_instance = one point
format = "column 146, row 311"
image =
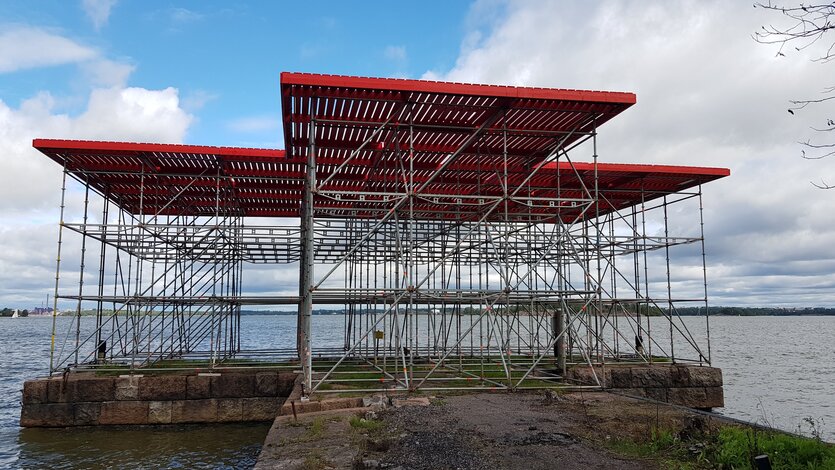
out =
column 306, row 265
column 57, row 269
column 704, row 270
column 669, row 286
column 81, row 272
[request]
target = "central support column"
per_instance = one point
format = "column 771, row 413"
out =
column 306, row 266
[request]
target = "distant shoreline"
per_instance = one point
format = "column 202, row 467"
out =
column 689, row 311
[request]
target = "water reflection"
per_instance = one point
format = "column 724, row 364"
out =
column 175, row 446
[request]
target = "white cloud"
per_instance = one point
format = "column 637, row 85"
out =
column 707, row 95
column 30, row 182
column 253, row 124
column 107, row 73
column 133, row 114
column 98, row 11
column 24, row 48
column 196, row 99
column 183, row 15
column 395, row 53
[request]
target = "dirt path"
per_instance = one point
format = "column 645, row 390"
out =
column 497, row 431
column 475, row 431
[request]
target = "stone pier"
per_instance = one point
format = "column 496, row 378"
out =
column 688, row 385
column 84, row 399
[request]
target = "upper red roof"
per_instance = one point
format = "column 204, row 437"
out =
column 457, row 139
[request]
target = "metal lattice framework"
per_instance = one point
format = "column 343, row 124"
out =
column 454, row 225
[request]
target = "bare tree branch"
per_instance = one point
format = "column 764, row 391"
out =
column 806, row 27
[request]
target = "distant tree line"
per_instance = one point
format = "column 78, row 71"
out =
column 7, row 312
column 757, row 311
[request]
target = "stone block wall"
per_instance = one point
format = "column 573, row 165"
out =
column 693, row 386
column 85, row 400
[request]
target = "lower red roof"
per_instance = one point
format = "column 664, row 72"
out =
column 187, row 180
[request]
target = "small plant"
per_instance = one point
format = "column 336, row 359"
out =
column 815, row 427
column 315, row 462
column 317, row 427
column 366, row 424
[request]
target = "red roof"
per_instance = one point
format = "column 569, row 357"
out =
column 263, row 182
column 348, row 110
column 457, row 139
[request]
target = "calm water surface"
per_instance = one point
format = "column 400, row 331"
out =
column 776, row 369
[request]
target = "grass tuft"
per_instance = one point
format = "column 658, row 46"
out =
column 365, row 424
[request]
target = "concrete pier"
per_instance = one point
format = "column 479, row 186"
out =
column 84, row 399
column 244, row 395
column 692, row 386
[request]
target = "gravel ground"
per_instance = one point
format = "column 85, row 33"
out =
column 527, row 431
column 477, row 431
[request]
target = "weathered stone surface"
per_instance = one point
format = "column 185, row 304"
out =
column 126, row 388
column 47, row 415
column 198, row 386
column 91, row 389
column 57, row 390
column 340, row 403
column 680, row 375
column 286, row 383
column 159, row 412
column 619, row 377
column 693, row 397
column 229, row 409
column 233, row 386
column 581, row 375
column 410, row 401
column 87, row 414
column 714, row 397
column 136, row 399
column 705, row 376
column 260, row 408
column 36, row 391
column 377, row 402
column 633, row 392
column 657, row 393
column 124, row 412
column 194, row 411
column 162, row 387
column 266, row 384
column 651, row 376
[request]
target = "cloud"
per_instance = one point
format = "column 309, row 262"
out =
column 30, row 182
column 183, row 15
column 253, row 124
column 395, row 53
column 24, row 48
column 27, row 47
column 107, row 73
column 196, row 99
column 707, row 95
column 98, row 11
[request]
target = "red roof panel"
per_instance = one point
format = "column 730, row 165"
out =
column 169, row 179
column 376, row 139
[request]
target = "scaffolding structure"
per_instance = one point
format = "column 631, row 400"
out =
column 459, row 228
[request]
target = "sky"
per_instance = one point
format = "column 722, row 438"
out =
column 207, row 73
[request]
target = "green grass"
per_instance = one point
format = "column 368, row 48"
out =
column 730, row 448
column 364, row 424
column 315, row 462
column 316, row 428
column 660, row 441
column 736, row 447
